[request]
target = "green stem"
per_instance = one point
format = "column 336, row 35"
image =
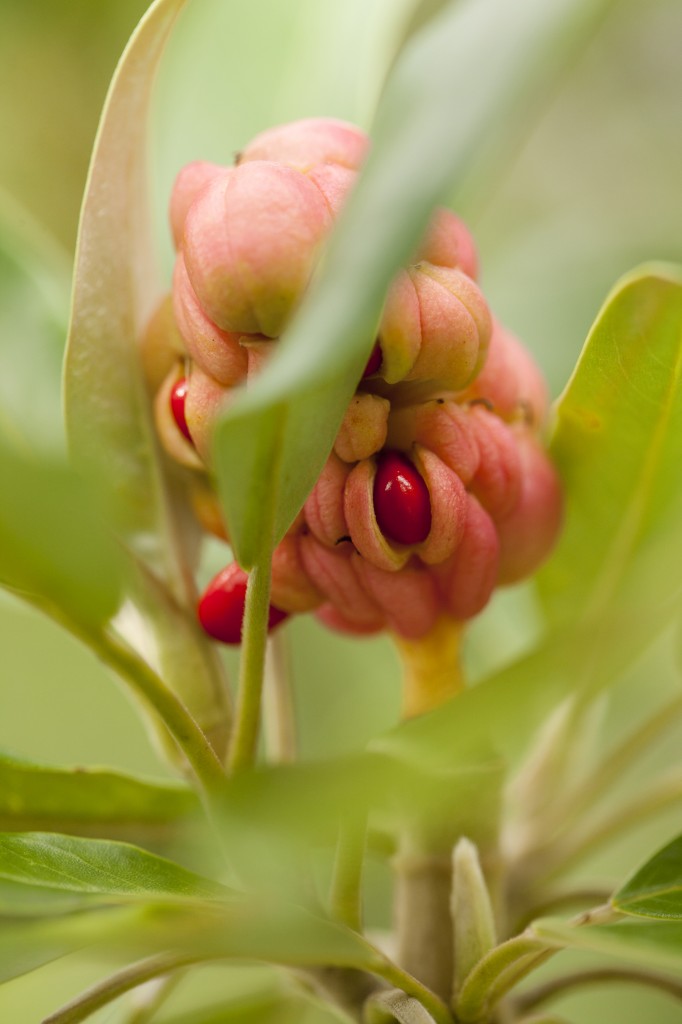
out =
column 251, row 667
column 497, row 972
column 164, row 987
column 145, row 683
column 599, row 976
column 665, row 793
column 396, row 976
column 346, row 889
column 619, row 761
column 80, row 1008
column 278, row 702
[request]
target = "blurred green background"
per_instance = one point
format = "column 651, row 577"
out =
column 589, row 187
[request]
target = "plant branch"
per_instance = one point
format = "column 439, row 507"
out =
column 407, row 983
column 80, row 1008
column 499, row 971
column 346, row 888
column 278, row 700
column 665, row 793
column 619, row 761
column 598, row 976
column 251, row 667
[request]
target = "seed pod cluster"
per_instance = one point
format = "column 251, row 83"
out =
column 438, row 487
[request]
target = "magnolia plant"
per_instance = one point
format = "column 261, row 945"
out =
column 317, row 413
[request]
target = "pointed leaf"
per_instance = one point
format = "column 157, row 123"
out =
column 86, row 800
column 54, row 543
column 114, row 872
column 108, row 411
column 618, row 445
column 273, row 442
column 655, row 889
column 648, row 943
column 34, row 293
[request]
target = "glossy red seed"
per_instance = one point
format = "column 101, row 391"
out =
column 221, row 608
column 374, row 362
column 402, row 503
column 178, row 397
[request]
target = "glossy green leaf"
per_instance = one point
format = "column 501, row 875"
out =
column 54, row 543
column 618, row 445
column 273, row 442
column 114, row 872
column 500, row 715
column 108, row 412
column 655, row 889
column 647, row 943
column 90, row 801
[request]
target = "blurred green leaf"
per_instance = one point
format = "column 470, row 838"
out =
column 54, row 544
column 90, row 800
column 112, row 871
column 499, row 715
column 27, row 945
column 618, row 446
column 655, row 889
column 108, row 411
column 272, row 444
column 268, row 1009
column 647, row 943
column 34, row 293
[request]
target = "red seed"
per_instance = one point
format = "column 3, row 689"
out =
column 402, row 503
column 221, row 608
column 374, row 362
column 178, row 397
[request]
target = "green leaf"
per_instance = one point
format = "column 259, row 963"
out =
column 54, row 544
column 618, row 446
column 656, row 944
column 108, row 412
column 114, row 872
column 273, row 442
column 90, row 800
column 28, row 945
column 34, row 293
column 499, row 715
column 655, row 889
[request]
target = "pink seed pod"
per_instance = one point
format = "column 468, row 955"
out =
column 435, row 328
column 161, row 345
column 311, row 141
column 441, row 425
column 251, row 242
column 528, row 533
column 448, row 243
column 334, row 573
column 363, row 431
column 218, row 353
column 408, row 599
column 324, row 507
column 172, row 436
column 292, row 588
column 467, row 579
column 497, row 480
column 334, row 183
column 510, row 381
column 329, row 615
column 206, row 398
column 187, row 186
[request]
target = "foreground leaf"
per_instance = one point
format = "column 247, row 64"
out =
column 618, row 445
column 89, row 800
column 646, row 943
column 108, row 412
column 655, row 889
column 112, row 871
column 54, row 543
column 272, row 444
